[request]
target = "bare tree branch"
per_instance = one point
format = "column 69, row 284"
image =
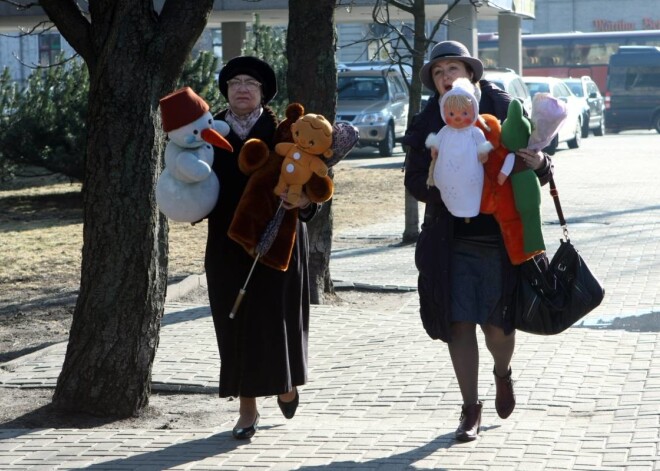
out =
column 21, row 6
column 42, row 26
column 72, row 24
column 34, row 66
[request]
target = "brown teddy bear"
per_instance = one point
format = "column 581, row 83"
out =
column 258, row 205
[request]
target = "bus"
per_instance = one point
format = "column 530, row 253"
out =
column 568, row 54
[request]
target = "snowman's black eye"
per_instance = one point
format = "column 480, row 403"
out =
column 210, row 121
column 195, row 132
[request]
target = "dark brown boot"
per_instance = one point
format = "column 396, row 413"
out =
column 505, row 398
column 468, row 429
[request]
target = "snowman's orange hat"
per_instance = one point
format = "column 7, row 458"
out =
column 181, row 107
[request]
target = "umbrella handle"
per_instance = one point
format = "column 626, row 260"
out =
column 237, row 303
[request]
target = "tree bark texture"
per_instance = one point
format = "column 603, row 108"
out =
column 134, row 56
column 312, row 81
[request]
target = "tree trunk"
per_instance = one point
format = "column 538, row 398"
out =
column 411, row 230
column 312, row 81
column 134, row 56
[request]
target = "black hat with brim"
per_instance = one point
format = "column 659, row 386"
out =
column 450, row 50
column 254, row 67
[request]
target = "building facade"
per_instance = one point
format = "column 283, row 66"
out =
column 22, row 53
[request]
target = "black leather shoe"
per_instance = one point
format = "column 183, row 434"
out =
column 468, row 429
column 505, row 398
column 247, row 432
column 289, row 408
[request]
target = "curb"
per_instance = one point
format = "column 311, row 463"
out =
column 185, row 286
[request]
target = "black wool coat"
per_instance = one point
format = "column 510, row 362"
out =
column 433, row 250
column 263, row 350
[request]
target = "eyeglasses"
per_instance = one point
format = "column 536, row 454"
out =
column 251, row 85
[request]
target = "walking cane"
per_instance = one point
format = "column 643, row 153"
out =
column 267, row 239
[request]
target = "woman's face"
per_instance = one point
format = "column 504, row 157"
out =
column 243, row 94
column 445, row 71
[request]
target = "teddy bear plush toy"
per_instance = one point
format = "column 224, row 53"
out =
column 312, row 139
column 187, row 189
column 259, row 204
column 518, row 131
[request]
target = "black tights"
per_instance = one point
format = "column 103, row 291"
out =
column 464, row 353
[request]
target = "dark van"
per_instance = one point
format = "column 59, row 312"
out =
column 632, row 100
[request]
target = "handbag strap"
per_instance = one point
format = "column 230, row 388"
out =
column 555, row 198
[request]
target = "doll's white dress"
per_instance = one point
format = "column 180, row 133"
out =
column 458, row 174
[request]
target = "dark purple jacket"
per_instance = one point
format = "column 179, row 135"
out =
column 432, row 254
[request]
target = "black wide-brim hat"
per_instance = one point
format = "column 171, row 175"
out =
column 450, row 50
column 253, row 67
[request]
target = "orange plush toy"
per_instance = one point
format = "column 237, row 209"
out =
column 259, row 204
column 312, row 140
column 497, row 197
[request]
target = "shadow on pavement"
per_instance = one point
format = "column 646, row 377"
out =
column 197, row 450
column 642, row 323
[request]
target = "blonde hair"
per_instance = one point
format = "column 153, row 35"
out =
column 457, row 102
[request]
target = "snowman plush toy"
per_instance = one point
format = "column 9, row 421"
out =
column 188, row 189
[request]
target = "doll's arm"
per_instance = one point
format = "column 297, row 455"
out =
column 483, row 145
column 433, row 143
column 318, row 166
column 507, row 166
column 283, row 148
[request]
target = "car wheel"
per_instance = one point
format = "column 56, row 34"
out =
column 577, row 137
column 552, row 147
column 585, row 125
column 656, row 122
column 386, row 146
column 600, row 130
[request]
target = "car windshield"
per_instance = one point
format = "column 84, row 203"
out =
column 576, row 88
column 361, row 88
column 535, row 87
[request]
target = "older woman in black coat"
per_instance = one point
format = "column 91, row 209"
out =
column 263, row 350
column 465, row 276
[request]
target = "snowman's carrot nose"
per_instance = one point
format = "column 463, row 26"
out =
column 213, row 137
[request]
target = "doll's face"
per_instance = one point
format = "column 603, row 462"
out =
column 312, row 133
column 459, row 116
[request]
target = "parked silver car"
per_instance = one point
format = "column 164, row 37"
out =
column 374, row 98
column 571, row 131
column 593, row 117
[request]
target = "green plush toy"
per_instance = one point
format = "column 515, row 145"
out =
column 516, row 131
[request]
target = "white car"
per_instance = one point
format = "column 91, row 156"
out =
column 510, row 82
column 571, row 131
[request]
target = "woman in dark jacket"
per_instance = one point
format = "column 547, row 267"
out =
column 465, row 276
column 263, row 350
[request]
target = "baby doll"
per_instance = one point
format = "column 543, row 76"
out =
column 312, row 136
column 458, row 151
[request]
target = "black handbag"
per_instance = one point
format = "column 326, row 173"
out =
column 553, row 295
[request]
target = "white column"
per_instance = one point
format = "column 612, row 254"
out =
column 463, row 26
column 510, row 42
column 233, row 36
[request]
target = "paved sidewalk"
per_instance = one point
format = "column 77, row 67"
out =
column 382, row 395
